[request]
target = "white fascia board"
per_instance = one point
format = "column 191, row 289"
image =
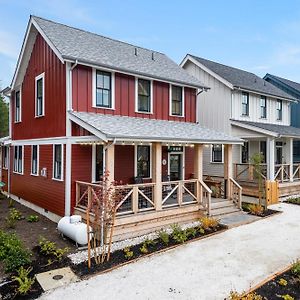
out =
column 255, row 129
column 88, row 127
column 207, row 70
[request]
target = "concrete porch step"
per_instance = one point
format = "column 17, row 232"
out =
column 224, row 210
column 221, row 204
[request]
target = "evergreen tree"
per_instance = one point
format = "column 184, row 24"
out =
column 4, row 108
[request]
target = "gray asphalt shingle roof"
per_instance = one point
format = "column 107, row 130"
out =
column 293, row 84
column 151, row 129
column 243, row 79
column 281, row 130
column 73, row 43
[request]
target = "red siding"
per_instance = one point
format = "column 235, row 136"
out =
column 189, row 163
column 125, row 97
column 53, row 123
column 4, row 179
column 124, row 164
column 42, row 191
column 79, row 131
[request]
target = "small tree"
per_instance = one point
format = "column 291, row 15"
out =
column 4, row 112
column 103, row 203
column 257, row 160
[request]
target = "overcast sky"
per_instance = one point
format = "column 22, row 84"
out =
column 258, row 36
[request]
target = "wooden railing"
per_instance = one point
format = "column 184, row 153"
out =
column 248, row 172
column 235, row 192
column 138, row 198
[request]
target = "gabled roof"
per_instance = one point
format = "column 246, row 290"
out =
column 90, row 48
column 242, row 79
column 271, row 129
column 292, row 84
column 109, row 127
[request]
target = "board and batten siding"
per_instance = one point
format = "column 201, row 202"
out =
column 254, row 109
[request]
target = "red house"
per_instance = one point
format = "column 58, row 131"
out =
column 81, row 103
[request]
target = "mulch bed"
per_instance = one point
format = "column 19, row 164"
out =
column 268, row 212
column 272, row 290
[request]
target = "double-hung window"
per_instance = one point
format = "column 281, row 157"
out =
column 58, row 162
column 103, row 89
column 143, row 161
column 17, row 106
column 176, row 101
column 34, row 160
column 144, row 96
column 5, row 157
column 18, row 159
column 263, row 107
column 279, row 110
column 217, row 153
column 245, row 104
column 40, row 96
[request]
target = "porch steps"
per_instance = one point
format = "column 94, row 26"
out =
column 222, row 207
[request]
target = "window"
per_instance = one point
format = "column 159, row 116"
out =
column 245, row 104
column 98, row 170
column 39, row 96
column 245, row 153
column 103, row 89
column 176, row 101
column 18, row 159
column 263, row 107
column 144, row 96
column 143, row 161
column 279, row 110
column 58, row 162
column 18, row 107
column 5, row 157
column 217, row 153
column 263, row 151
column 34, row 160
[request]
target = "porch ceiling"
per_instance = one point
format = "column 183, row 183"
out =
column 269, row 129
column 109, row 127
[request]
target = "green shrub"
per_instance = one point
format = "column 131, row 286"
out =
column 164, row 237
column 287, row 297
column 282, row 282
column 296, row 268
column 201, row 230
column 191, row 232
column 178, row 235
column 128, row 253
column 33, row 218
column 243, row 296
column 144, row 249
column 49, row 248
column 13, row 216
column 24, row 281
column 12, row 252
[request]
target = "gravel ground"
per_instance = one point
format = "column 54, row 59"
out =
column 207, row 269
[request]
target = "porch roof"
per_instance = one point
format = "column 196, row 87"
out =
column 5, row 140
column 109, row 127
column 275, row 130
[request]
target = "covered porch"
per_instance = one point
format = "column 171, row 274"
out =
column 161, row 181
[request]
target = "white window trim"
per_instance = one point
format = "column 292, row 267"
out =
column 94, row 163
column 137, row 96
column 266, row 117
column 19, row 173
column 248, row 104
column 62, row 162
column 135, row 160
column 182, row 163
column 35, row 95
column 211, row 155
column 38, row 161
column 20, row 116
column 5, row 159
column 112, row 76
column 170, row 101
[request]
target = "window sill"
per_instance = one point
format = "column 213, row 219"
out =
column 245, row 116
column 35, row 175
column 4, row 168
column 18, row 173
column 263, row 118
column 102, row 107
column 17, row 122
column 178, row 116
column 217, row 162
column 144, row 112
column 41, row 116
column 56, row 179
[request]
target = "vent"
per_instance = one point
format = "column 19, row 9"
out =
column 135, row 52
column 152, row 55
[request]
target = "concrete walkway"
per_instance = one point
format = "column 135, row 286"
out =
column 207, row 269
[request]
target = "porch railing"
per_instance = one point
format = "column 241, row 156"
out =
column 235, row 193
column 138, row 198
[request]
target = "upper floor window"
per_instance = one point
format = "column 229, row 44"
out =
column 34, row 160
column 40, row 95
column 217, row 153
column 176, row 101
column 18, row 159
column 279, row 110
column 245, row 104
column 58, row 162
column 18, row 106
column 144, row 96
column 263, row 107
column 5, row 157
column 143, row 161
column 103, row 89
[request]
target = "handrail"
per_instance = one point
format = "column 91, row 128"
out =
column 209, row 192
column 239, row 194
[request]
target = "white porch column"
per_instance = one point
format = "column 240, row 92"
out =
column 198, row 161
column 228, row 168
column 110, row 162
column 157, row 174
column 289, row 157
column 271, row 159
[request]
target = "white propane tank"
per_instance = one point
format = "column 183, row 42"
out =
column 73, row 228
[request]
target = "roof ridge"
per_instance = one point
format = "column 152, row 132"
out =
column 282, row 78
column 97, row 34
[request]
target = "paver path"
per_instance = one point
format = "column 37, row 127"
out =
column 208, row 269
